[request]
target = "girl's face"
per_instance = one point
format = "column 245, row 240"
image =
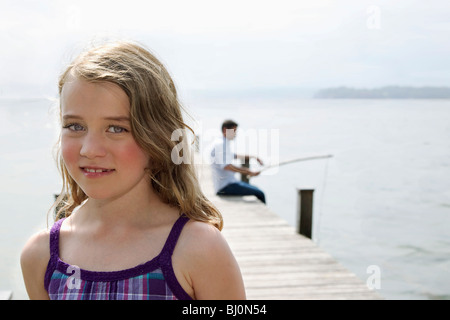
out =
column 97, row 145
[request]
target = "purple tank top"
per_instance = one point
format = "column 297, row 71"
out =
column 153, row 280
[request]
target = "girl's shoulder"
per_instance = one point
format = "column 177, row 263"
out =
column 34, row 260
column 207, row 263
column 200, row 233
column 201, row 240
column 37, row 248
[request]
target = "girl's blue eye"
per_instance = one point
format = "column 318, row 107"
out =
column 116, row 129
column 74, row 127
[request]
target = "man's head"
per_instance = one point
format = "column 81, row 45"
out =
column 229, row 128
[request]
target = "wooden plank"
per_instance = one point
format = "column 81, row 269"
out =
column 276, row 262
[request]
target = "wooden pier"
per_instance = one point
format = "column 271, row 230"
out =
column 276, row 262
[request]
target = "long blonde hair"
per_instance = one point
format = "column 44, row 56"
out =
column 155, row 113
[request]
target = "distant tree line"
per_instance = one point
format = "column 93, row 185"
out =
column 389, row 92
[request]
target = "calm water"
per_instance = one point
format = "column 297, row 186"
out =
column 382, row 200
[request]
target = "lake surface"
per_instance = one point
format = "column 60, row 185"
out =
column 382, row 200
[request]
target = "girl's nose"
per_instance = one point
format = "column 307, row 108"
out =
column 93, row 146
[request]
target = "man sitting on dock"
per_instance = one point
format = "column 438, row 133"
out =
column 223, row 169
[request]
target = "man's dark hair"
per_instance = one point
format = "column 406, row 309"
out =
column 229, row 124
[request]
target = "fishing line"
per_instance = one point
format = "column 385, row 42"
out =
column 322, row 197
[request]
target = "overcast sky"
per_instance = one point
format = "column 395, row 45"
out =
column 235, row 45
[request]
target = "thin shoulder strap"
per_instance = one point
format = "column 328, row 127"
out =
column 172, row 239
column 165, row 259
column 54, row 238
column 54, row 251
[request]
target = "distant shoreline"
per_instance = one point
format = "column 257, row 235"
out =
column 388, row 92
column 342, row 92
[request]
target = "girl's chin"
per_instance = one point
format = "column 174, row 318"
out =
column 98, row 194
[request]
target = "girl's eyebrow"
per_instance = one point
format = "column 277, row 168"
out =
column 70, row 116
column 118, row 118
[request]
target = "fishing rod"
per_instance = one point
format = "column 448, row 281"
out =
column 282, row 163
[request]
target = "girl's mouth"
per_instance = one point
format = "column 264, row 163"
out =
column 96, row 172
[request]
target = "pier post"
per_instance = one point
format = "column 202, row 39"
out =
column 305, row 212
column 246, row 164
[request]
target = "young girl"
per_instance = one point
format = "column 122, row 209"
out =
column 134, row 225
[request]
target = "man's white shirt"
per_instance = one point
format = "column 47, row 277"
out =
column 221, row 156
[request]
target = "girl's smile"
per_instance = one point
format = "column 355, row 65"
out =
column 91, row 172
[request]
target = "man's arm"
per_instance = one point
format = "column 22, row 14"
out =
column 241, row 170
column 248, row 157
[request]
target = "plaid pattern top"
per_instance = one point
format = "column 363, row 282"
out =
column 153, row 280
